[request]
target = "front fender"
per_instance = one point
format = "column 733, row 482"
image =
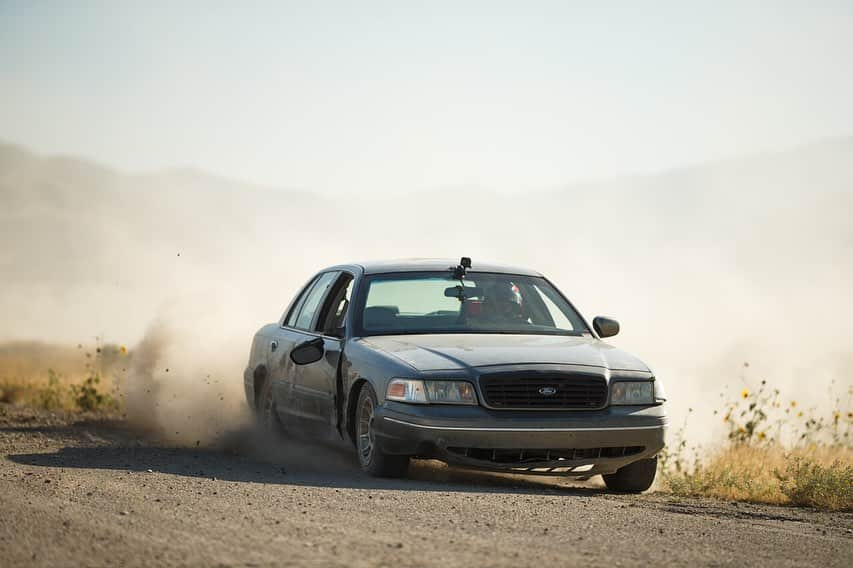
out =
column 361, row 364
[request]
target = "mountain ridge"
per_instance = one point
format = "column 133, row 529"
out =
column 12, row 153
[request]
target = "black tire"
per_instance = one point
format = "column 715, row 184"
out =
column 372, row 459
column 633, row 478
column 266, row 413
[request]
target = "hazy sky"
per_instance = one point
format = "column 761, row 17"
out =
column 397, row 95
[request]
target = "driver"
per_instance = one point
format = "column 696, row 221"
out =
column 504, row 304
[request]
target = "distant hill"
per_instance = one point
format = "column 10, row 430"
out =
column 65, row 220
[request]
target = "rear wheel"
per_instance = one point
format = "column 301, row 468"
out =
column 634, row 477
column 372, row 459
column 267, row 414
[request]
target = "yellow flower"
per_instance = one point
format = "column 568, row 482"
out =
column 793, row 404
column 744, row 393
column 726, row 418
column 122, row 349
column 761, row 435
column 800, row 414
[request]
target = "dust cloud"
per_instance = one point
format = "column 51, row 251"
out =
column 169, row 392
column 184, row 386
column 707, row 267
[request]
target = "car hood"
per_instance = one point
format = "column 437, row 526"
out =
column 441, row 352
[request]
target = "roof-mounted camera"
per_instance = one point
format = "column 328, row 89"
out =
column 462, row 267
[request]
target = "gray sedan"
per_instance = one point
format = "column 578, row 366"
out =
column 479, row 365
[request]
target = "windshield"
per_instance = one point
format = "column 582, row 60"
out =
column 435, row 302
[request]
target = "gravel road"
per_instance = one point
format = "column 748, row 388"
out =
column 89, row 492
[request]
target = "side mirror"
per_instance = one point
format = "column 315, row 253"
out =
column 308, row 351
column 605, row 327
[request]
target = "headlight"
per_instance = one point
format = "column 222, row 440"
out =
column 435, row 392
column 451, row 392
column 632, row 392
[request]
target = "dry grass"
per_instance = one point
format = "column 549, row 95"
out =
column 59, row 377
column 775, row 452
column 820, row 477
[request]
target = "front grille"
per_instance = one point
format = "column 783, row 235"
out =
column 544, row 390
column 512, row 456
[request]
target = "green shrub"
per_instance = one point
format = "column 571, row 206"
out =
column 811, row 484
column 87, row 397
column 53, row 395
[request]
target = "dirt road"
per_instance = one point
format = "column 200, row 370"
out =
column 91, row 493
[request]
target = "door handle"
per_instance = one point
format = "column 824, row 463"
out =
column 273, row 345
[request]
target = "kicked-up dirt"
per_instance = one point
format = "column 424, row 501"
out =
column 87, row 491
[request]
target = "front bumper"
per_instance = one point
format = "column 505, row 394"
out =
column 579, row 443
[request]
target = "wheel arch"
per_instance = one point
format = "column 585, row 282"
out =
column 352, row 401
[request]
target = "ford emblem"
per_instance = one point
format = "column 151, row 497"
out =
column 547, row 391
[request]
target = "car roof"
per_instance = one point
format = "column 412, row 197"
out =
column 431, row 264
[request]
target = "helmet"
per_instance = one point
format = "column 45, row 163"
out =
column 505, row 293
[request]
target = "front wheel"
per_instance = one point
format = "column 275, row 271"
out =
column 634, row 477
column 372, row 459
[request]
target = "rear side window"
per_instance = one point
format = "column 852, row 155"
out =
column 313, row 300
column 291, row 317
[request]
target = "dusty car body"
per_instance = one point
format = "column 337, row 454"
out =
column 412, row 358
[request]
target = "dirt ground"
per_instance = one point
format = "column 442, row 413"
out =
column 78, row 491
